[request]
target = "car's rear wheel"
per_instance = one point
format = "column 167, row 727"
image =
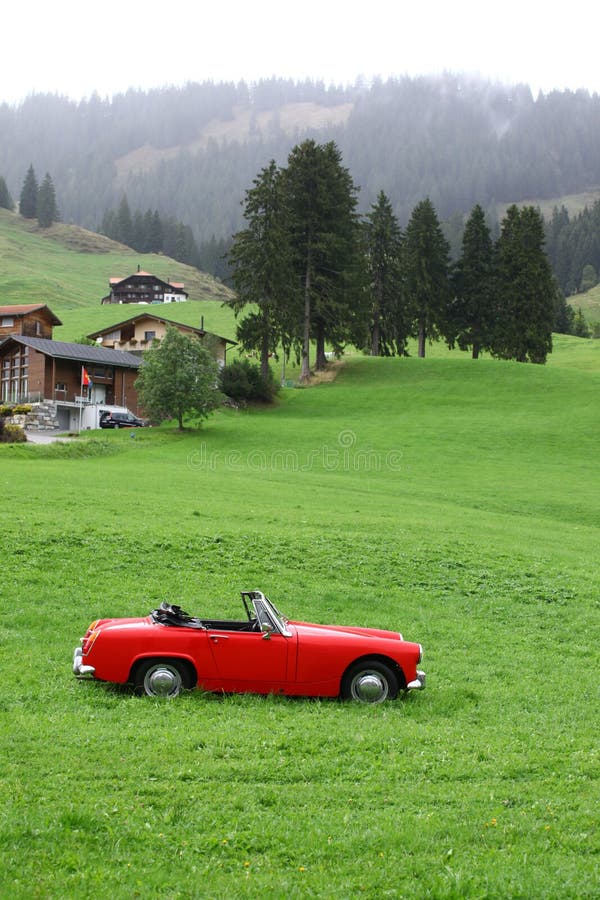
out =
column 162, row 677
column 370, row 681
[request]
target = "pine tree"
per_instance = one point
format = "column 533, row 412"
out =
column 6, row 201
column 325, row 237
column 580, row 326
column 389, row 325
column 473, row 307
column 29, row 195
column 154, row 232
column 124, row 222
column 526, row 289
column 47, row 210
column 426, row 258
column 261, row 268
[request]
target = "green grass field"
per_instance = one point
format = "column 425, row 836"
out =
column 457, row 501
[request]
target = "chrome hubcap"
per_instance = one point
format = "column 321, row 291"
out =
column 369, row 687
column 162, row 681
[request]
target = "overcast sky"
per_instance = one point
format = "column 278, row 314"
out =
column 74, row 47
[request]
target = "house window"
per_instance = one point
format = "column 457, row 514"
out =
column 8, row 321
column 149, row 335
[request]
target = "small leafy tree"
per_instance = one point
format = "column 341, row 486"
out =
column 178, row 377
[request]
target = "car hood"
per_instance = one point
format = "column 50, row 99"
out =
column 310, row 627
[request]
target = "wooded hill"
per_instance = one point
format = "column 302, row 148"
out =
column 192, row 152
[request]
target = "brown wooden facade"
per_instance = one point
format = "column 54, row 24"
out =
column 33, row 370
column 30, row 320
column 143, row 287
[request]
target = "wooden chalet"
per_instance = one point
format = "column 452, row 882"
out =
column 142, row 287
column 33, row 370
column 136, row 334
column 27, row 319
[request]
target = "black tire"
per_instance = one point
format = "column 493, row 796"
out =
column 370, row 681
column 162, row 677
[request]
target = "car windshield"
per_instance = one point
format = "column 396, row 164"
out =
column 279, row 615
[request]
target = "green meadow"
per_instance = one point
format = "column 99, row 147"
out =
column 456, row 501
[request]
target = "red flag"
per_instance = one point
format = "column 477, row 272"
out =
column 85, row 378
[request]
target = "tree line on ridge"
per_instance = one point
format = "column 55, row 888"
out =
column 314, row 270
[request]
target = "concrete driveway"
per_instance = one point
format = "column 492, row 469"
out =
column 45, row 437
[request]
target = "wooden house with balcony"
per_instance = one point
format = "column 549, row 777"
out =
column 27, row 319
column 137, row 334
column 142, row 287
column 36, row 370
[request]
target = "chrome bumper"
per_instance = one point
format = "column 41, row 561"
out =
column 78, row 667
column 418, row 684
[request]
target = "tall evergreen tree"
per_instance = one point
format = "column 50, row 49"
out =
column 47, row 210
column 426, row 258
column 6, row 201
column 124, row 222
column 526, row 289
column 473, row 306
column 29, row 195
column 389, row 324
column 262, row 272
column 325, row 236
column 154, row 232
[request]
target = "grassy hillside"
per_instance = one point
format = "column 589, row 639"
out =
column 458, row 502
column 68, row 267
column 589, row 303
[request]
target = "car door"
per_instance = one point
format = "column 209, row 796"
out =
column 250, row 660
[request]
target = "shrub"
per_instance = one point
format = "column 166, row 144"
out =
column 242, row 381
column 19, row 409
column 11, row 434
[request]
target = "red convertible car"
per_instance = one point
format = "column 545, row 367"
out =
column 265, row 653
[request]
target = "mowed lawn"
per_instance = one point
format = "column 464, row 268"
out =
column 456, row 501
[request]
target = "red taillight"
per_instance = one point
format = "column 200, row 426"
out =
column 88, row 641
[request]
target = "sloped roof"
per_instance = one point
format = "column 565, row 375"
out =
column 84, row 353
column 118, row 280
column 21, row 309
column 152, row 315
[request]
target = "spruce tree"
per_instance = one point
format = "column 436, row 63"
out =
column 29, row 195
column 389, row 325
column 47, row 210
column 526, row 289
column 6, row 201
column 325, row 237
column 426, row 256
column 124, row 222
column 262, row 268
column 473, row 307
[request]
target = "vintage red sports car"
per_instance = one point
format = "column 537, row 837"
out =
column 266, row 653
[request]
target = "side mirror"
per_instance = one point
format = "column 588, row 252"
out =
column 266, row 629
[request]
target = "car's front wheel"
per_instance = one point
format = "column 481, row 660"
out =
column 370, row 681
column 162, row 677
